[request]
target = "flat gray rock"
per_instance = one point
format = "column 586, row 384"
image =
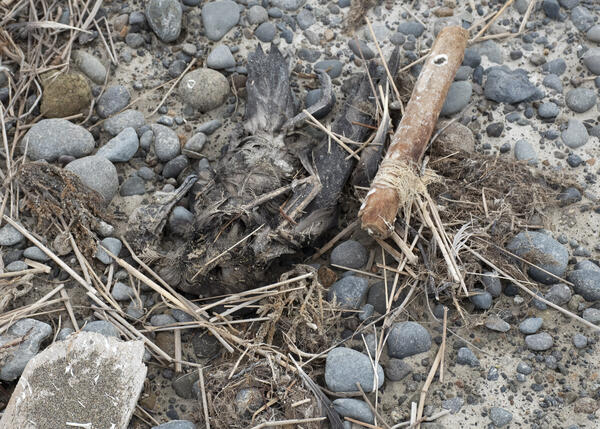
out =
column 113, row 100
column 495, row 323
column 113, row 245
column 509, row 86
column 219, row 17
column 50, row 139
column 580, row 100
column 122, row 147
column 539, row 342
column 354, row 408
column 72, row 380
column 349, row 253
column 164, row 18
column 32, row 332
column 531, row 325
column 98, row 174
column 220, row 58
column 345, row 367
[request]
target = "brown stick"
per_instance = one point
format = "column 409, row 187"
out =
column 397, row 178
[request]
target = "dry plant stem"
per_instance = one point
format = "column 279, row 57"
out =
column 204, row 401
column 527, row 14
column 485, row 28
column 69, row 308
column 351, row 227
column 443, row 346
column 177, row 346
column 282, row 423
column 174, row 85
column 425, row 388
column 410, row 140
column 361, row 424
column 424, row 419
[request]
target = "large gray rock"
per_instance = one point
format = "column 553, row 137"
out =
column 122, row 147
column 50, row 139
column 17, row 353
column 204, row 89
column 407, row 339
column 164, row 18
column 114, row 99
column 505, row 86
column 580, row 100
column 586, row 283
column 345, row 367
column 582, row 18
column 539, row 342
column 543, row 251
column 575, row 135
column 98, row 174
column 349, row 253
column 349, row 292
column 95, row 372
column 219, row 17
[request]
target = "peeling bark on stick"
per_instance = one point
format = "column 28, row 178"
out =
column 397, row 178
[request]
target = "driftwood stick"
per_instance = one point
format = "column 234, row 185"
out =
column 397, row 178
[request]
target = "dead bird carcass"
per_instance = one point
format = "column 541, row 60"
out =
column 272, row 193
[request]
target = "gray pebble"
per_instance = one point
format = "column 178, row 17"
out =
column 491, row 50
column 133, row 185
column 500, row 417
column 575, row 135
column 166, row 142
column 407, row 339
column 580, row 100
column 548, row 110
column 553, row 255
column 551, row 9
column 349, row 292
column 289, row 5
column 36, row 254
column 411, row 27
column 495, row 323
column 113, row 100
column 360, row 49
column 164, row 18
column 586, row 283
column 127, row 118
column 50, row 139
column 102, row 327
column 305, row 19
column 345, row 367
column 580, row 341
column 481, row 299
column 175, row 166
column 9, row 236
column 524, row 368
column 181, row 221
column 354, row 408
column 122, row 147
column 466, row 357
column 209, row 127
column 349, row 253
column 98, row 174
column 257, row 15
column 553, row 82
column 194, row 145
column 122, row 292
column 90, row 66
column 453, row 404
column 333, row 67
column 505, row 86
column 113, row 245
column 204, row 89
column 313, row 96
column 219, row 17
column 559, row 294
column 176, row 424
column 531, row 325
column 397, row 369
column 593, row 34
column 582, row 18
column 16, row 266
column 557, row 67
column 458, row 97
column 162, row 320
column 366, row 311
column 592, row 315
column 64, row 333
column 591, row 60
column 266, row 32
column 539, row 342
column 220, row 58
column 491, row 283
